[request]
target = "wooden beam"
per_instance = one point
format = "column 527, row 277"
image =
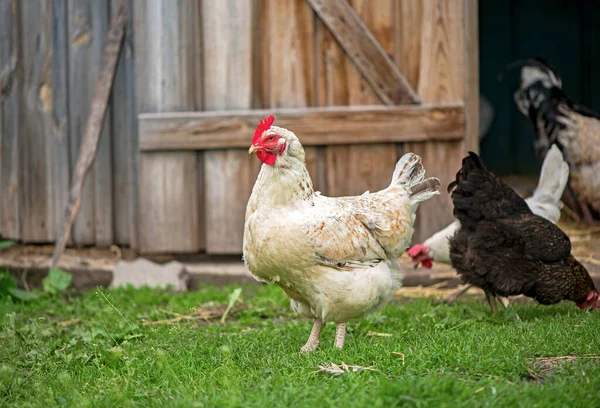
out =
column 366, row 53
column 314, row 126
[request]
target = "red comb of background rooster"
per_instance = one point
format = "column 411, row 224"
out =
column 262, row 126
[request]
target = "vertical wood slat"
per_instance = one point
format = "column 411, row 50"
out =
column 88, row 22
column 430, row 48
column 167, row 75
column 37, row 182
column 408, row 26
column 288, row 48
column 471, row 82
column 10, row 94
column 60, row 139
column 228, row 71
column 353, row 169
column 124, row 136
column 441, row 67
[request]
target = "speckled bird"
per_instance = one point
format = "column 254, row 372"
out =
column 336, row 258
column 573, row 127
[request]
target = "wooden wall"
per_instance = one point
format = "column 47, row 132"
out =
column 173, row 191
column 49, row 62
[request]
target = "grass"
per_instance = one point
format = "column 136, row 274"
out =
column 97, row 349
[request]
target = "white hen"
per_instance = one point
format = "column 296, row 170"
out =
column 336, row 258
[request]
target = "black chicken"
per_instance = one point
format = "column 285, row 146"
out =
column 506, row 250
column 572, row 126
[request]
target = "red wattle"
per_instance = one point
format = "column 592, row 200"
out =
column 266, row 157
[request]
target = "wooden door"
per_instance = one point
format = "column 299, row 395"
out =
column 360, row 82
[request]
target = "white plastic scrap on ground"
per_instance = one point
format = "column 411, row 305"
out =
column 143, row 272
column 336, row 370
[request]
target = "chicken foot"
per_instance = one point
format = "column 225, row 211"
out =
column 313, row 340
column 506, row 304
column 454, row 295
column 340, row 335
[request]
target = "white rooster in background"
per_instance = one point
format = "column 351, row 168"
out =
column 545, row 202
column 336, row 258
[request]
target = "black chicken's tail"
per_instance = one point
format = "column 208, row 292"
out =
column 477, row 194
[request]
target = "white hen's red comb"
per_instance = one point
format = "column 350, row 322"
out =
column 263, row 125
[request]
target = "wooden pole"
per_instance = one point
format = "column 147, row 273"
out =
column 93, row 127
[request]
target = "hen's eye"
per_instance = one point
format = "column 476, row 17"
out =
column 271, row 138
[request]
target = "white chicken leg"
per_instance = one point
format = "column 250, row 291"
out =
column 313, row 340
column 340, row 335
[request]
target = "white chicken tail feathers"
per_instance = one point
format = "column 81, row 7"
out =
column 553, row 177
column 425, row 189
column 410, row 172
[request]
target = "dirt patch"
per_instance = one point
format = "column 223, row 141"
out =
column 544, row 368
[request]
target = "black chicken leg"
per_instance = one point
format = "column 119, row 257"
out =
column 492, row 302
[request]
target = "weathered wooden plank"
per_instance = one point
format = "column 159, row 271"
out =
column 157, row 170
column 353, row 169
column 88, row 21
column 429, row 48
column 363, row 49
column 10, row 97
column 124, row 135
column 314, row 126
column 93, row 125
column 289, row 51
column 472, row 75
column 228, row 70
column 167, row 78
column 441, row 69
column 407, row 38
column 290, row 75
column 37, row 185
column 59, row 144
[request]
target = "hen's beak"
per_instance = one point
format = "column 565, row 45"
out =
column 252, row 149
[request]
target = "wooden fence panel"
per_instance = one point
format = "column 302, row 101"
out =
column 228, row 71
column 288, row 41
column 37, row 182
column 430, row 48
column 168, row 78
column 124, row 137
column 184, row 185
column 10, row 87
column 88, row 22
column 353, row 169
column 60, row 156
